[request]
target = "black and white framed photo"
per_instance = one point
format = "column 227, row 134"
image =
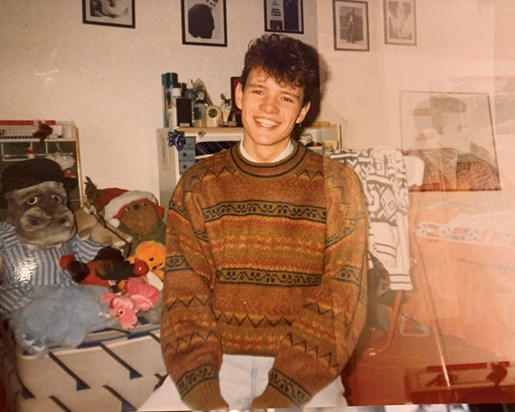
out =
column 350, row 25
column 400, row 23
column 120, row 13
column 204, row 22
column 284, row 16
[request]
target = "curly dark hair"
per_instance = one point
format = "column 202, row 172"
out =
column 286, row 60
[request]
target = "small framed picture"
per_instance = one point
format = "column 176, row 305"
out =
column 350, row 25
column 204, row 22
column 235, row 80
column 120, row 13
column 400, row 22
column 284, row 16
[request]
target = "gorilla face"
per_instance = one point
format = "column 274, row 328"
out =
column 40, row 216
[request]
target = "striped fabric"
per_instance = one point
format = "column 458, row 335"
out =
column 23, row 269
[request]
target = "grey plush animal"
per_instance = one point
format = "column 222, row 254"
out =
column 36, row 195
column 40, row 216
column 60, row 316
column 39, row 229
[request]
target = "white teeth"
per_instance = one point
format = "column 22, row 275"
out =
column 266, row 122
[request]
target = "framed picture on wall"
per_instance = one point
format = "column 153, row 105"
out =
column 400, row 22
column 453, row 134
column 350, row 25
column 120, row 13
column 284, row 16
column 204, row 22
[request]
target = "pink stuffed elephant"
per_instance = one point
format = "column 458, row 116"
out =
column 138, row 295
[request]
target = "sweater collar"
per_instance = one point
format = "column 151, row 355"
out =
column 283, row 155
column 274, row 169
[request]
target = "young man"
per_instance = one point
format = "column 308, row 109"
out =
column 265, row 288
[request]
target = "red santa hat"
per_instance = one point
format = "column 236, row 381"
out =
column 115, row 200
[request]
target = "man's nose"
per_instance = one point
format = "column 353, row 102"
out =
column 269, row 104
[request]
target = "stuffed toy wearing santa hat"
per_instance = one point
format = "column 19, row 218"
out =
column 134, row 212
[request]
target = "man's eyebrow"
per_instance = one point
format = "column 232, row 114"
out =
column 256, row 84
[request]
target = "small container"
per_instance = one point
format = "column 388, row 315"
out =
column 171, row 111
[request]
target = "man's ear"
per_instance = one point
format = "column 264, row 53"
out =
column 238, row 95
column 303, row 112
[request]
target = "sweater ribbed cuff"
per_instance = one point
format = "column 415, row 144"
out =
column 272, row 398
column 206, row 396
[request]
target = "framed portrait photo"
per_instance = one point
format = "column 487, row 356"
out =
column 284, row 16
column 350, row 25
column 120, row 13
column 204, row 22
column 400, row 22
column 453, row 134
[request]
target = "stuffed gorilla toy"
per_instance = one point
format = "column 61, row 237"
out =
column 38, row 231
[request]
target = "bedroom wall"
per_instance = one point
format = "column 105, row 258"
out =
column 455, row 39
column 107, row 79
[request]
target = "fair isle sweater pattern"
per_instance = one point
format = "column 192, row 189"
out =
column 265, row 259
column 382, row 172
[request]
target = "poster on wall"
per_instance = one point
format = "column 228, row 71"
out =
column 119, row 13
column 400, row 22
column 453, row 134
column 350, row 19
column 204, row 23
column 284, row 16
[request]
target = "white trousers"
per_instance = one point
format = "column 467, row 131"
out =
column 242, row 378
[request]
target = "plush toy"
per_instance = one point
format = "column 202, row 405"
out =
column 138, row 295
column 135, row 213
column 39, row 229
column 94, row 227
column 154, row 255
column 60, row 316
column 108, row 269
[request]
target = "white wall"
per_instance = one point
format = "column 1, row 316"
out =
column 455, row 40
column 107, row 79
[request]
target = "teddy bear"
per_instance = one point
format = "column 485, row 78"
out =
column 133, row 212
column 153, row 253
column 38, row 230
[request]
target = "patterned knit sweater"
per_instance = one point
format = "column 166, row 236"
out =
column 264, row 259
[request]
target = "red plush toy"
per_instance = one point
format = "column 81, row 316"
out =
column 108, row 269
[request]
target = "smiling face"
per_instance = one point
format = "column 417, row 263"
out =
column 269, row 112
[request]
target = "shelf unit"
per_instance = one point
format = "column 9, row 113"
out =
column 16, row 149
column 172, row 163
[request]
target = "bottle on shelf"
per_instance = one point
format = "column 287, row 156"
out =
column 199, row 110
column 171, row 111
